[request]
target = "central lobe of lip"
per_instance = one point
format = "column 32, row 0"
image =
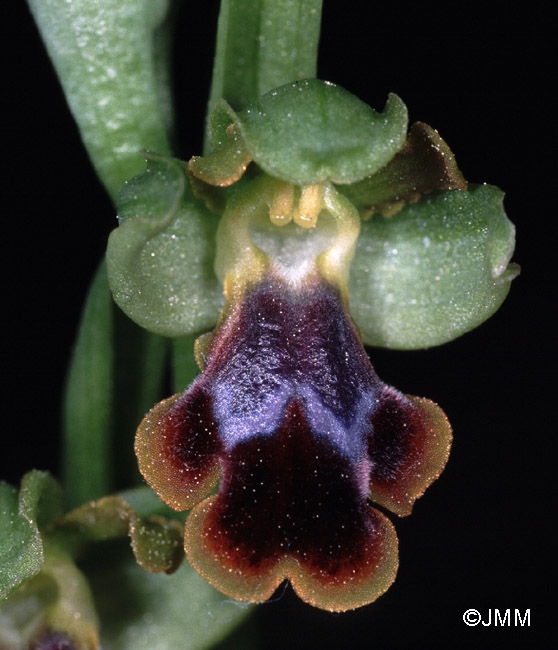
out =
column 292, row 345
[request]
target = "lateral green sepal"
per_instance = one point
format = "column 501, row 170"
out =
column 434, row 271
column 160, row 258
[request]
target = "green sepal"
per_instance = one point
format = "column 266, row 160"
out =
column 160, row 258
column 312, row 131
column 435, row 270
column 21, row 514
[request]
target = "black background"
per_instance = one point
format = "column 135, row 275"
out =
column 481, row 75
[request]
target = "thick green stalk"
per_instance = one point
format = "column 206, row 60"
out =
column 262, row 44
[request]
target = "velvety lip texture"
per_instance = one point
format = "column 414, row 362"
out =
column 292, row 418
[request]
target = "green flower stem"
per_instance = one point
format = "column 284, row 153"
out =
column 262, row 44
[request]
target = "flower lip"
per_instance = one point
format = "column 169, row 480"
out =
column 291, row 343
column 323, row 536
column 292, row 415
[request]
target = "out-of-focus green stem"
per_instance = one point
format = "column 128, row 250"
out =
column 88, row 400
column 139, row 371
column 184, row 367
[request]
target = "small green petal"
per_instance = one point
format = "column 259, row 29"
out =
column 434, row 271
column 157, row 541
column 225, row 167
column 313, row 131
column 160, row 258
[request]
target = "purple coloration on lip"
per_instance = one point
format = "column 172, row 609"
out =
column 290, row 413
column 292, row 344
column 50, row 640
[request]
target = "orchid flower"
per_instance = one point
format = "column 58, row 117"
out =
column 306, row 191
column 311, row 226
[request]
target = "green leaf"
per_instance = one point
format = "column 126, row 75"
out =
column 434, row 271
column 88, row 400
column 139, row 374
column 21, row 550
column 262, row 44
column 21, row 544
column 111, row 58
column 160, row 258
column 146, row 611
column 312, row 131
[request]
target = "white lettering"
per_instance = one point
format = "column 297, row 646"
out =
column 497, row 617
column 521, row 621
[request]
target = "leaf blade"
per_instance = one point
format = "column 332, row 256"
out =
column 87, row 454
column 110, row 71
